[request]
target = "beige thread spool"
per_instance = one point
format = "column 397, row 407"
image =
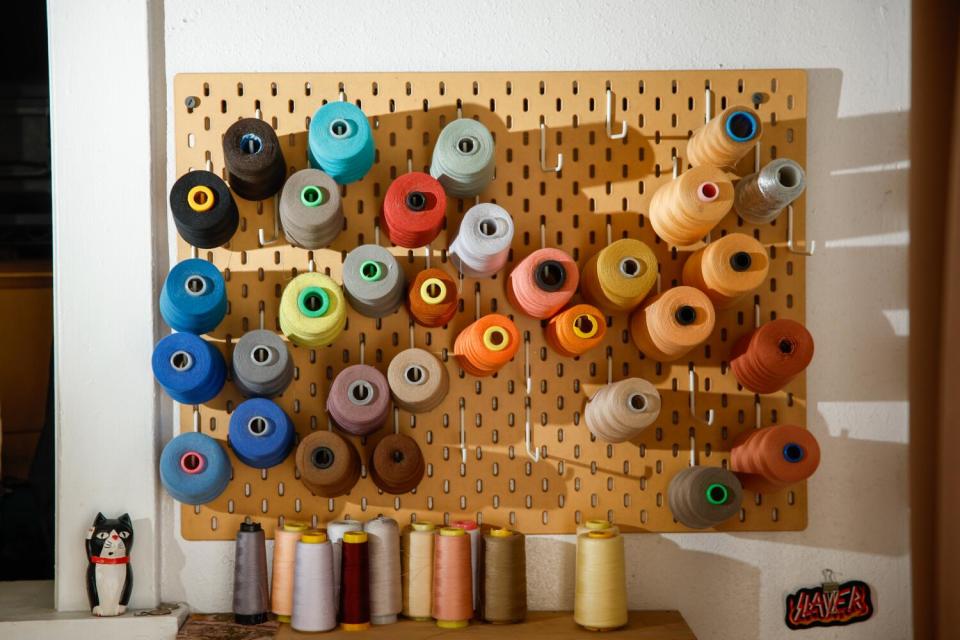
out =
column 621, row 410
column 504, row 579
column 685, row 209
column 673, row 323
column 596, row 524
column 729, row 136
column 600, row 599
column 418, row 380
column 417, row 570
column 727, row 269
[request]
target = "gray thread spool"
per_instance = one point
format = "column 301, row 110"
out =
column 373, row 281
column 760, row 197
column 694, row 497
column 483, row 242
column 251, row 598
column 311, row 211
column 335, row 531
column 620, row 410
column 262, row 366
column 386, row 599
column 463, row 158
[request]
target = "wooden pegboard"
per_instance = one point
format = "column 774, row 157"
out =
column 602, row 192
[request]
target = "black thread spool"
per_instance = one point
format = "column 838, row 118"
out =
column 204, row 210
column 251, row 599
column 255, row 165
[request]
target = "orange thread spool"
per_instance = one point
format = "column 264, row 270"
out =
column 727, row 269
column 729, row 136
column 486, row 345
column 685, row 209
column 432, row 298
column 576, row 330
column 768, row 358
column 543, row 283
column 452, row 579
column 772, row 458
column 673, row 323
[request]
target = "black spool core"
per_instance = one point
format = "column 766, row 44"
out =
column 741, row 261
column 414, row 374
column 191, row 462
column 686, row 315
column 416, row 201
column 360, row 392
column 313, row 301
column 786, row 346
column 550, row 275
column 718, row 494
column 638, row 402
column 258, row 426
column 250, row 526
column 322, row 457
column 793, row 452
column 465, row 145
column 397, row 456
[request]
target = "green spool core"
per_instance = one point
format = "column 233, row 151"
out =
column 312, row 196
column 717, row 494
column 313, row 302
column 371, row 271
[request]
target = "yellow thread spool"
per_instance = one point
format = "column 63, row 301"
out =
column 435, row 284
column 200, row 198
column 496, row 338
column 600, row 601
column 620, row 276
column 313, row 536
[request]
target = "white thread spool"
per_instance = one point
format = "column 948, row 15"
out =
column 313, row 604
column 385, row 594
column 335, row 531
column 483, row 242
column 417, row 570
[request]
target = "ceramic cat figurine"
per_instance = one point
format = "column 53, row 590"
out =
column 109, row 578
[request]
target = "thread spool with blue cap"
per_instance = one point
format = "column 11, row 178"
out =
column 194, row 297
column 190, row 370
column 261, row 433
column 340, row 142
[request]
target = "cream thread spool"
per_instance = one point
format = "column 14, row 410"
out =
column 417, row 570
column 600, row 600
column 597, row 525
column 385, row 593
column 284, row 560
column 313, row 605
column 621, row 410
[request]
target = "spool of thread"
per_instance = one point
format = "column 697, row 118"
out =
column 418, row 380
column 671, row 324
column 313, row 594
column 254, row 161
column 484, row 346
column 340, row 142
column 432, row 298
column 204, row 210
column 727, row 269
column 355, row 582
column 685, row 209
column 194, row 297
column 463, row 158
column 476, row 543
column 417, row 570
column 359, row 400
column 452, row 580
column 335, row 532
column 543, row 283
column 414, row 210
column 373, row 281
column 313, row 312
column 262, row 366
column 619, row 276
column 576, row 330
column 261, row 433
column 504, row 576
column 396, row 464
column 725, row 139
column 194, row 468
column 703, row 497
column 767, row 359
column 482, row 245
column 189, row 369
column 769, row 459
column 386, row 600
column 596, row 525
column 760, row 197
column 329, row 466
column 311, row 211
column 250, row 593
column 285, row 541
column 619, row 411
column 600, row 598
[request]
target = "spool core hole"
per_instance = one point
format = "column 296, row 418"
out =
column 708, row 191
column 788, row 177
column 339, row 128
column 466, row 145
column 585, row 324
column 741, row 126
column 488, row 227
column 322, row 458
column 637, row 402
column 416, row 201
column 717, row 494
column 195, row 285
column 433, row 290
column 496, row 338
column 250, row 143
column 192, row 462
column 200, row 196
column 181, row 360
column 550, row 275
column 686, row 315
column 786, row 346
column 360, row 392
column 792, row 452
column 414, row 374
column 312, row 196
column 371, row 271
column 313, row 301
column 261, row 354
column 630, row 267
column 741, row 261
column 257, row 425
column 397, row 456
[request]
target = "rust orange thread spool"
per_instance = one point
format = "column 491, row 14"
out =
column 432, row 298
column 685, row 209
column 729, row 136
column 672, row 323
column 727, row 269
column 452, row 579
column 768, row 358
column 543, row 283
column 772, row 458
column 576, row 330
column 486, row 345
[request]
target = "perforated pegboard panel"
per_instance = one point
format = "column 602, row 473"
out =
column 602, row 192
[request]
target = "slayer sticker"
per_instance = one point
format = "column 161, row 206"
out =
column 829, row 605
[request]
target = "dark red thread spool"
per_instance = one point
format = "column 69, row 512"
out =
column 355, row 582
column 414, row 209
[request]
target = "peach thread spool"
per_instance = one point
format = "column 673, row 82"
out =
column 600, row 598
column 542, row 283
column 671, row 324
column 476, row 560
column 284, row 559
column 685, row 209
column 576, row 330
column 486, row 345
column 619, row 276
column 452, row 580
column 727, row 269
column 417, row 570
column 725, row 139
column 772, row 458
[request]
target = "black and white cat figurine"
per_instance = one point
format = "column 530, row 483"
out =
column 109, row 578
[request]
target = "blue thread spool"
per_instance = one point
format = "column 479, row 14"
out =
column 194, row 468
column 793, row 452
column 340, row 142
column 261, row 434
column 188, row 368
column 741, row 126
column 194, row 297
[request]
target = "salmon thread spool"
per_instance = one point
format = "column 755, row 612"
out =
column 575, row 331
column 620, row 411
column 417, row 570
column 767, row 359
column 728, row 269
column 284, row 560
column 725, row 139
column 432, row 298
column 600, row 598
column 355, row 582
column 504, row 598
column 414, row 210
column 619, row 277
column 452, row 580
column 673, row 323
column 772, row 458
column 685, row 209
column 543, row 283
column 486, row 345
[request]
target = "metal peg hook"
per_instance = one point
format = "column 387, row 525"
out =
column 532, row 452
column 791, row 245
column 676, row 166
column 463, row 434
column 693, row 447
column 707, row 105
column 276, row 225
column 194, row 252
column 343, row 96
column 609, row 120
column 527, row 369
column 196, row 418
column 543, row 152
column 693, row 401
column 757, row 411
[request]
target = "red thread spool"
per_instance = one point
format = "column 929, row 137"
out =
column 772, row 458
column 452, row 579
column 432, row 298
column 576, row 330
column 767, row 359
column 414, row 209
column 486, row 345
column 543, row 283
column 355, row 582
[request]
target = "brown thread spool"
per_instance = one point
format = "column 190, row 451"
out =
column 396, row 464
column 577, row 330
column 619, row 276
column 727, row 269
column 452, row 579
column 504, row 577
column 432, row 298
column 685, row 209
column 329, row 466
column 702, row 497
column 673, row 323
column 769, row 459
column 418, row 380
column 768, row 358
column 621, row 410
column 728, row 136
